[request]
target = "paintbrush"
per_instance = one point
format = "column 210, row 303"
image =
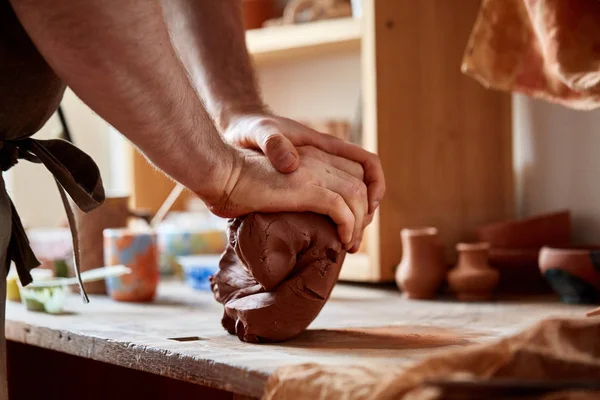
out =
column 91, row 275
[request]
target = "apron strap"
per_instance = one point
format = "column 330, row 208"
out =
column 75, row 173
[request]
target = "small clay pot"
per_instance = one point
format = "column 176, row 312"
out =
column 422, row 269
column 530, row 233
column 473, row 279
column 573, row 272
column 256, row 12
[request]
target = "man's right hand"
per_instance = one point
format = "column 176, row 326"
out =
column 323, row 184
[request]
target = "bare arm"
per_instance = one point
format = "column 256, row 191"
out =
column 210, row 40
column 118, row 58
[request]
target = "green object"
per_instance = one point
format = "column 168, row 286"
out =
column 61, row 269
column 45, row 299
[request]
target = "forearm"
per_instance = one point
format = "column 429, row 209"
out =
column 116, row 55
column 210, row 39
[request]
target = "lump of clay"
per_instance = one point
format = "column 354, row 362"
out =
column 276, row 274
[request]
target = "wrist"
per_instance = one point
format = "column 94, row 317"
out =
column 215, row 186
column 229, row 115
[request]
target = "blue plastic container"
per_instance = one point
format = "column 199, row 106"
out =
column 197, row 269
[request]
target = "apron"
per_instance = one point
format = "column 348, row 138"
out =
column 30, row 93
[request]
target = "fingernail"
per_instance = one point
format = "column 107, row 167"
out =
column 286, row 160
column 375, row 205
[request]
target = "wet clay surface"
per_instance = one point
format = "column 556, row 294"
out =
column 276, row 274
column 385, row 337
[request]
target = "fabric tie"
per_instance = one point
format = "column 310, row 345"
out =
column 75, row 173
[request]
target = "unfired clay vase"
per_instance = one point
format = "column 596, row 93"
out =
column 422, row 270
column 573, row 273
column 113, row 213
column 473, row 279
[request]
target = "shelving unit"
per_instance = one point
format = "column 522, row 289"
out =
column 304, row 40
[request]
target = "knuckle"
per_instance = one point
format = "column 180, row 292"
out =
column 357, row 188
column 335, row 200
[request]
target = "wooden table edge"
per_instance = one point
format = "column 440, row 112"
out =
column 199, row 371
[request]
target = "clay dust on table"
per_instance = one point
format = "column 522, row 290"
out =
column 385, row 337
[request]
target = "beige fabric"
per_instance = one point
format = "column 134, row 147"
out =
column 556, row 349
column 543, row 48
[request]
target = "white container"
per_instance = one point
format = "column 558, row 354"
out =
column 198, row 269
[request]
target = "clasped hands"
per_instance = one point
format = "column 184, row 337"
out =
column 282, row 165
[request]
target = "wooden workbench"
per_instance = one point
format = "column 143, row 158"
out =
column 180, row 336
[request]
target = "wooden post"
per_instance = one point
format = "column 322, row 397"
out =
column 445, row 142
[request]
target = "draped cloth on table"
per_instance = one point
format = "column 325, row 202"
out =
column 30, row 93
column 552, row 350
column 548, row 49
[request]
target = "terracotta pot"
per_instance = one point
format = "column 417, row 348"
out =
column 256, row 12
column 473, row 279
column 573, row 272
column 542, row 230
column 519, row 271
column 113, row 213
column 422, row 269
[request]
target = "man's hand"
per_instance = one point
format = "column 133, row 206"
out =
column 278, row 137
column 322, row 183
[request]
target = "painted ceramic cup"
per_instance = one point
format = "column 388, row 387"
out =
column 113, row 213
column 573, row 272
column 138, row 251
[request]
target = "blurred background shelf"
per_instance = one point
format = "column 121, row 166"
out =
column 303, row 40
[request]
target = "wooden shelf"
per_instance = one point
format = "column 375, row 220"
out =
column 303, row 40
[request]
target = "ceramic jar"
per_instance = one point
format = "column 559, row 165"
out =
column 573, row 272
column 113, row 213
column 473, row 279
column 137, row 251
column 422, row 269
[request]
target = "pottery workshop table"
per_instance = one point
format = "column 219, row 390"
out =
column 179, row 338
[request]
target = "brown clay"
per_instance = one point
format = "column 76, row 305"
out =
column 552, row 229
column 276, row 274
column 422, row 269
column 473, row 279
column 114, row 213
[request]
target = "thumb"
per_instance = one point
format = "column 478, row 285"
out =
column 281, row 152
